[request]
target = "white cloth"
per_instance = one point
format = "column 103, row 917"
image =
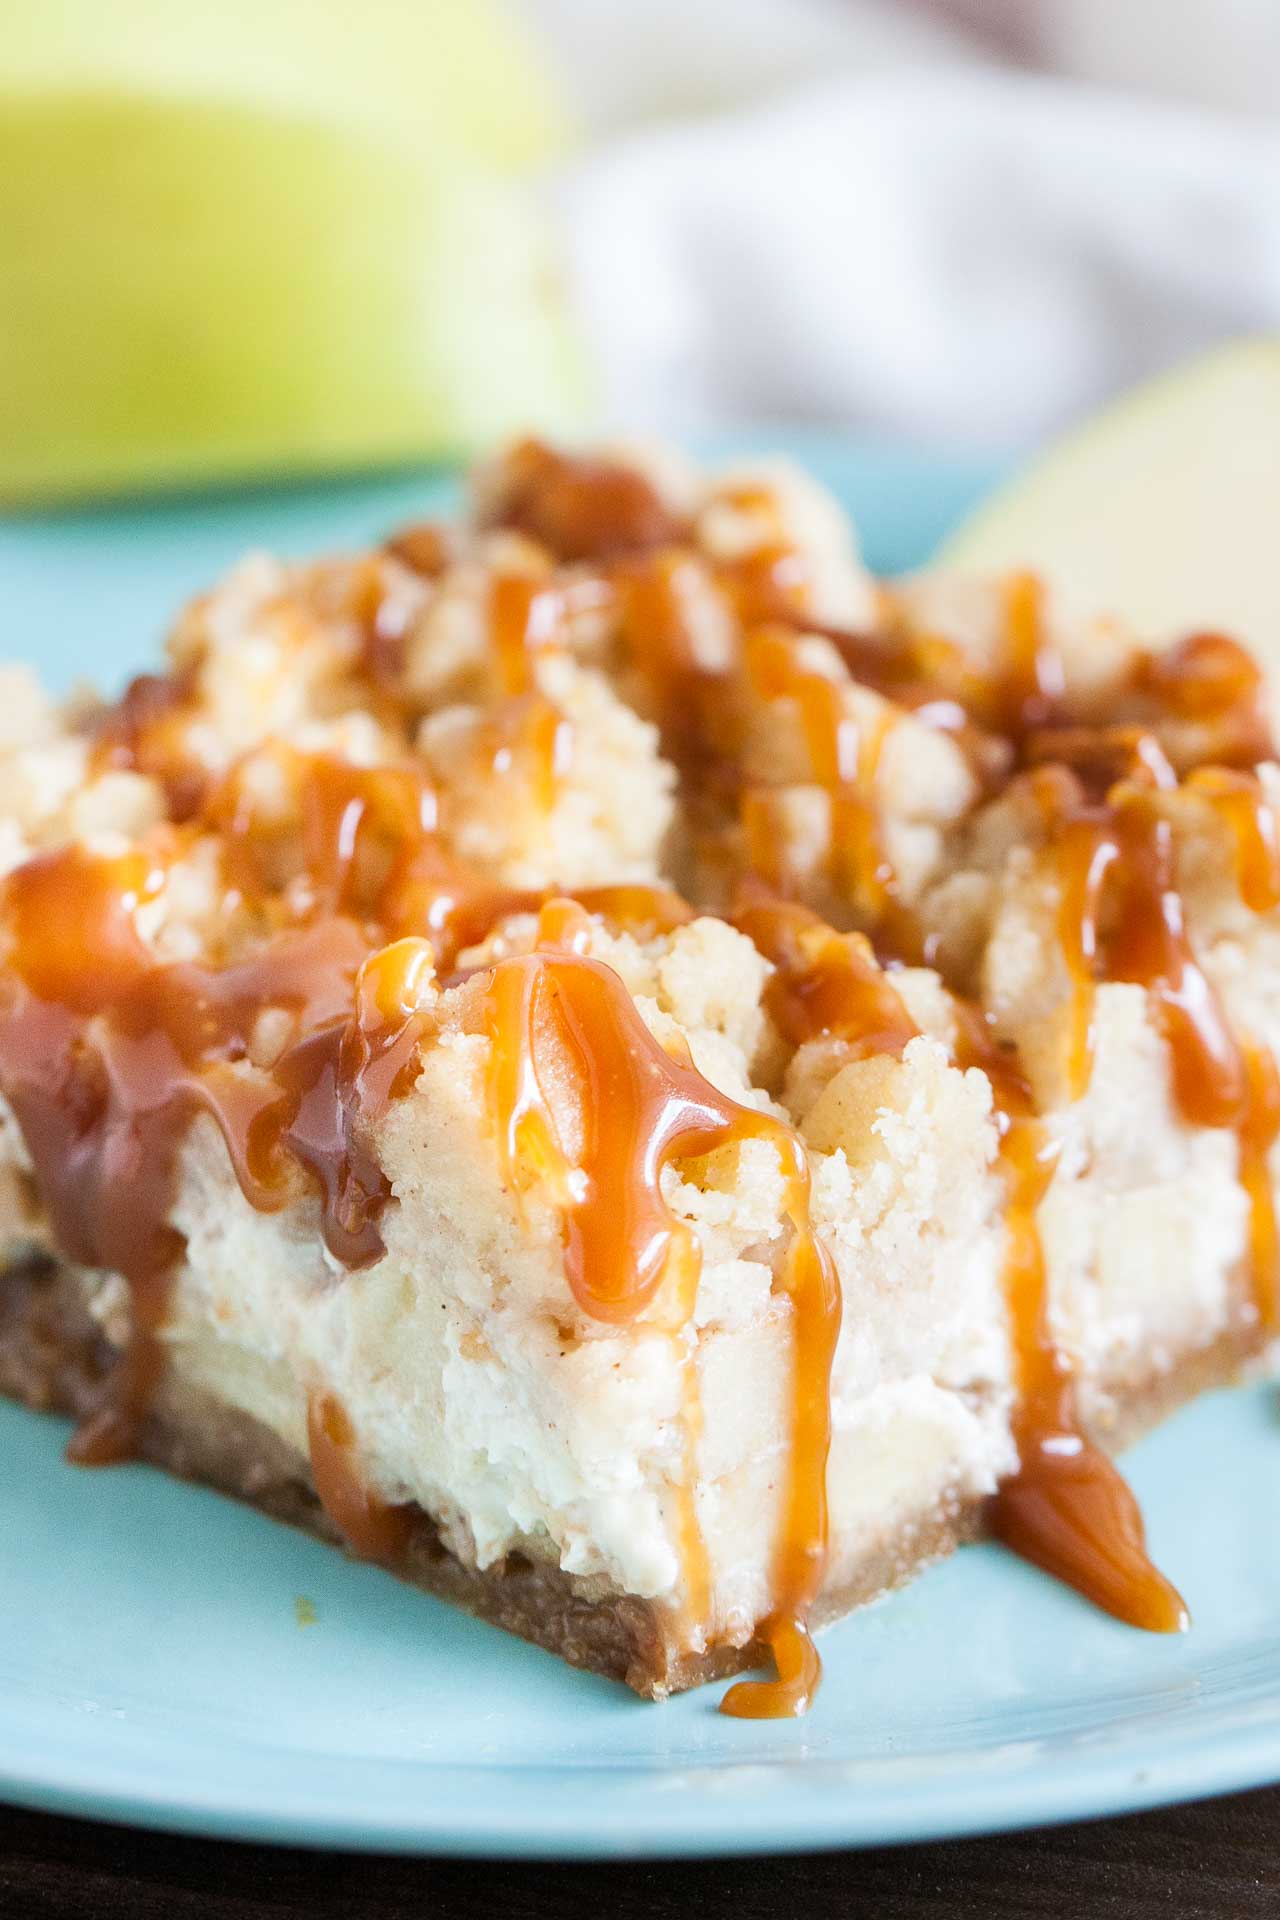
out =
column 861, row 215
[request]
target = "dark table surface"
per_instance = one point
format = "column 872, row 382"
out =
column 1219, row 1859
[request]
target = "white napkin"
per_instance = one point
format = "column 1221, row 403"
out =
column 923, row 241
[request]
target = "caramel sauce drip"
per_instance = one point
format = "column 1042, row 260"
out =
column 772, row 585
column 844, row 756
column 570, row 1053
column 1098, row 757
column 582, row 507
column 366, row 833
column 530, row 733
column 824, row 983
column 654, row 613
column 426, row 547
column 107, row 1054
column 525, row 619
column 1121, row 918
column 760, row 812
column 371, row 1528
column 1205, row 695
column 1211, row 681
column 772, row 582
column 637, row 1109
column 145, row 731
column 1250, row 818
column 991, row 709
column 1067, row 1508
column 335, row 1084
column 526, row 731
column 636, row 908
column 371, row 849
column 658, row 598
column 1029, row 683
column 810, row 1279
column 627, row 908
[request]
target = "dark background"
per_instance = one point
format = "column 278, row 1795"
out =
column 1219, row 1859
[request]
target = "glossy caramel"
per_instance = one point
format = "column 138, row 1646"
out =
column 1067, row 1507
column 582, row 507
column 371, row 1529
column 824, row 983
column 525, row 616
column 106, row 1055
column 558, row 1019
column 844, row 752
column 1249, row 816
column 1121, row 917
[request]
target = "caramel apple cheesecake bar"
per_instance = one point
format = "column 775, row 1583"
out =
column 605, row 1060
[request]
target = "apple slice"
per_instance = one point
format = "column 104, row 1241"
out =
column 271, row 237
column 1164, row 508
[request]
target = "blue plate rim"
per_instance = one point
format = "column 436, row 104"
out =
column 539, row 1823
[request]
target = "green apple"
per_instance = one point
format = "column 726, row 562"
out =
column 212, row 267
column 448, row 75
column 1164, row 508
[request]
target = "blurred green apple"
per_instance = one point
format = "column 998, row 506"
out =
column 288, row 237
column 452, row 75
column 1163, row 508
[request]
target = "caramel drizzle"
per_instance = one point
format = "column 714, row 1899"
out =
column 844, row 755
column 565, row 925
column 1029, row 685
column 1067, row 1508
column 106, row 1055
column 1250, row 819
column 571, row 1052
column 694, row 703
column 1121, row 918
column 583, row 507
column 525, row 620
column 370, row 849
column 1212, row 681
column 146, row 731
column 371, row 1529
column 824, row 983
column 607, row 514
column 366, row 834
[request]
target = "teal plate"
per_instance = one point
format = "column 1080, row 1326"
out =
column 169, row 1658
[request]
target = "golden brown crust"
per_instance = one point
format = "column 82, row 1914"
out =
column 1142, row 1404
column 53, row 1357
